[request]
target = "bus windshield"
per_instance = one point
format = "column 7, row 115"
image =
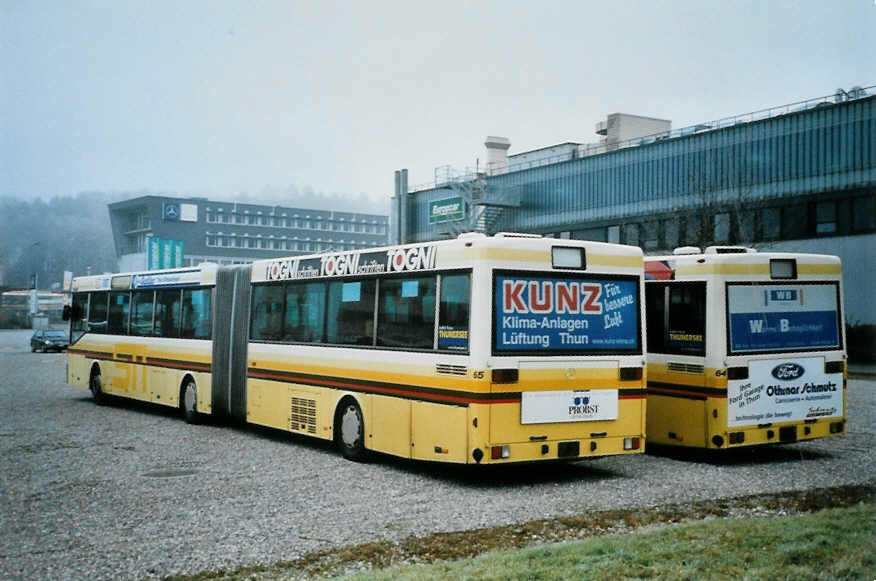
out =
column 565, row 314
column 773, row 317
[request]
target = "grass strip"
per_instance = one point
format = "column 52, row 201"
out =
column 830, row 544
column 454, row 546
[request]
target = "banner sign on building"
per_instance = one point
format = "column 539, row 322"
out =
column 783, row 317
column 564, row 314
column 447, row 210
column 784, row 390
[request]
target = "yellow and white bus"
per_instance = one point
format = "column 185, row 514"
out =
column 474, row 350
column 744, row 348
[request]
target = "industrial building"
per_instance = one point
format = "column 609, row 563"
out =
column 798, row 177
column 202, row 230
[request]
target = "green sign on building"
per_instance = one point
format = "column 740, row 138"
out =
column 447, row 210
column 161, row 253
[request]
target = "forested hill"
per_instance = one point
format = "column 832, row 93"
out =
column 73, row 232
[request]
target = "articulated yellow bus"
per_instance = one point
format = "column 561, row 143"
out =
column 744, row 348
column 474, row 350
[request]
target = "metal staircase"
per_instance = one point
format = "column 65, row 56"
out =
column 484, row 203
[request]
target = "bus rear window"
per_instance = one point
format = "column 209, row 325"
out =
column 775, row 317
column 565, row 314
column 676, row 314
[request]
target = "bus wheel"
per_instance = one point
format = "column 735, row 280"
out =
column 189, row 403
column 95, row 384
column 350, row 431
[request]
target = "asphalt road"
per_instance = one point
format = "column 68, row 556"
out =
column 130, row 491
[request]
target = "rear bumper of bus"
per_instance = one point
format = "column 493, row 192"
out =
column 784, row 433
column 557, row 450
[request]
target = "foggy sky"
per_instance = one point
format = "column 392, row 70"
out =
column 217, row 98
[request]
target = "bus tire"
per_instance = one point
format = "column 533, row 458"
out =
column 189, row 402
column 95, row 384
column 350, row 431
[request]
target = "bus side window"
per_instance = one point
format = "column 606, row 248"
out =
column 119, row 309
column 267, row 313
column 97, row 313
column 350, row 318
column 78, row 324
column 406, row 313
column 453, row 312
column 141, row 312
column 167, row 309
column 197, row 314
column 305, row 313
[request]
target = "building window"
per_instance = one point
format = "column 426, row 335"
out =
column 211, row 217
column 693, row 229
column 251, row 220
column 863, row 220
column 670, row 233
column 825, row 217
column 239, row 219
column 631, row 234
column 794, row 222
column 613, row 234
column 721, row 230
column 747, row 227
column 771, row 222
column 651, row 235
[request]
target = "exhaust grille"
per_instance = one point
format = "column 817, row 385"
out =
column 444, row 369
column 302, row 415
column 685, row 368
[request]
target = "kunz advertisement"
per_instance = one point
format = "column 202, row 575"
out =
column 784, row 390
column 566, row 314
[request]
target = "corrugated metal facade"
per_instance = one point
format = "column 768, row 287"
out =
column 827, row 148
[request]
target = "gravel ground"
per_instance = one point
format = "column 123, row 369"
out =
column 131, row 492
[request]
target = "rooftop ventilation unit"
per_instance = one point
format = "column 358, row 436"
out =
column 729, row 250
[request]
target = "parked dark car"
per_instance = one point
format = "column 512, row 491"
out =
column 48, row 340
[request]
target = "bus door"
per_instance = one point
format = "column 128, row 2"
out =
column 679, row 385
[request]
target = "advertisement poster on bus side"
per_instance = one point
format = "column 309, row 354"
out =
column 784, row 390
column 782, row 317
column 550, row 314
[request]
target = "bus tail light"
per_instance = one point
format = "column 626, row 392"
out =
column 631, row 443
column 836, row 427
column 833, row 366
column 505, row 376
column 497, row 452
column 630, row 373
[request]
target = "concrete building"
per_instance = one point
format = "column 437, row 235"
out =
column 234, row 233
column 798, row 177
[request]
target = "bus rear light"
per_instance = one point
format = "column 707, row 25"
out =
column 497, row 452
column 737, row 437
column 836, row 427
column 630, row 373
column 632, row 443
column 505, row 376
column 833, row 366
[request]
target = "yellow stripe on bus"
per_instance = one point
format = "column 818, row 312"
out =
column 532, row 256
column 753, row 269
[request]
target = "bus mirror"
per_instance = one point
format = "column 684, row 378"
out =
column 65, row 314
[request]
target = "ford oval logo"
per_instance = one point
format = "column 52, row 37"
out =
column 788, row 371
